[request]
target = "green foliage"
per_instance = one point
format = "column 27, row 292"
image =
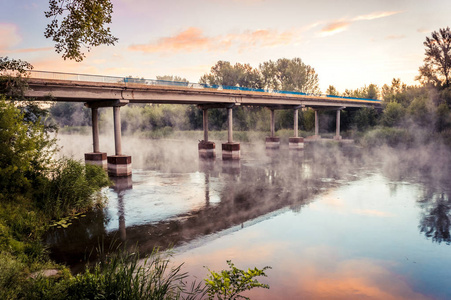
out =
column 223, row 73
column 365, row 118
column 83, row 24
column 369, row 92
column 420, row 112
column 71, row 188
column 26, row 151
column 283, row 74
column 331, row 90
column 437, row 63
column 393, row 115
column 228, row 284
column 12, row 74
column 70, row 114
column 289, row 75
column 11, row 275
column 443, row 119
column 392, row 137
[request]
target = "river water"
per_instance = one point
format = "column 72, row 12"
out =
column 333, row 222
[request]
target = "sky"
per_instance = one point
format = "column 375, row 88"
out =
column 349, row 43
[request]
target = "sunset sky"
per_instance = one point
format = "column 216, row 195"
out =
column 350, row 43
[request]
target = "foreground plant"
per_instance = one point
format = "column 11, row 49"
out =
column 228, row 284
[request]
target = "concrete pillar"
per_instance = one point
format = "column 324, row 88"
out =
column 272, row 142
column 230, row 150
column 95, row 129
column 119, row 164
column 96, row 157
column 296, row 143
column 205, row 119
column 296, row 121
column 117, row 130
column 337, row 126
column 206, row 148
column 273, row 123
column 230, row 125
column 317, row 136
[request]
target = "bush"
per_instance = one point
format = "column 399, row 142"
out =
column 71, row 188
column 387, row 136
column 25, row 153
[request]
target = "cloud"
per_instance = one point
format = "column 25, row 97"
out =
column 334, row 28
column 29, row 50
column 193, row 39
column 375, row 15
column 188, row 40
column 338, row 26
column 9, row 37
column 423, row 30
column 395, row 37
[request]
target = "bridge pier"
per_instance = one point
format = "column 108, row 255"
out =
column 119, row 164
column 337, row 126
column 296, row 142
column 230, row 150
column 272, row 142
column 205, row 147
column 96, row 157
column 316, row 136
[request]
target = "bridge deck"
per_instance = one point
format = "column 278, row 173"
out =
column 90, row 91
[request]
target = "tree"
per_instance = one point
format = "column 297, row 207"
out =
column 172, row 78
column 369, row 92
column 289, row 75
column 83, row 24
column 331, row 90
column 12, row 73
column 223, row 73
column 437, row 63
column 26, row 150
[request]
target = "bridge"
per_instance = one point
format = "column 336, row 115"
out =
column 108, row 91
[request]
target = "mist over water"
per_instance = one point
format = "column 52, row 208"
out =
column 333, row 221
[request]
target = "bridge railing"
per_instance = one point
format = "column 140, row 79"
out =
column 115, row 79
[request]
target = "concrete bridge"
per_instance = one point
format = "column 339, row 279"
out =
column 106, row 91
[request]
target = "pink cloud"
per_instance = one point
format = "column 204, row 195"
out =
column 188, row 40
column 28, row 50
column 334, row 28
column 342, row 25
column 193, row 39
column 376, row 15
column 9, row 36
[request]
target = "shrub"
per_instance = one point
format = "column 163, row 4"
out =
column 71, row 188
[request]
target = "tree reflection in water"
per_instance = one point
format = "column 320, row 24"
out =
column 435, row 222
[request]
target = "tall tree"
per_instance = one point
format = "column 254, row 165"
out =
column 289, row 75
column 223, row 73
column 83, row 24
column 437, row 63
column 331, row 90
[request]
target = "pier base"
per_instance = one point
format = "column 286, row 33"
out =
column 119, row 165
column 296, row 143
column 272, row 143
column 230, row 151
column 207, row 149
column 97, row 159
column 337, row 137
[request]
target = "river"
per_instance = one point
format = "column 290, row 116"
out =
column 333, row 222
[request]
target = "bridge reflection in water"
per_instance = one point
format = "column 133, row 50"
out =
column 159, row 209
